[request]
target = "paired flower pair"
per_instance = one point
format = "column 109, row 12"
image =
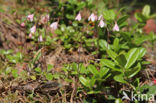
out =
column 94, row 17
column 54, row 25
column 29, row 18
column 44, row 19
column 32, row 31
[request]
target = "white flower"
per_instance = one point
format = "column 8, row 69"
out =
column 78, row 17
column 92, row 17
column 54, row 25
column 101, row 24
column 30, row 17
column 116, row 27
column 33, row 29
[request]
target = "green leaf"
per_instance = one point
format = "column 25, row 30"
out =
column 122, row 20
column 103, row 71
column 56, row 76
column 89, row 1
column 149, row 90
column 93, row 92
column 70, row 16
column 120, row 78
column 142, row 52
column 126, row 36
column 141, row 39
column 75, row 23
column 85, row 101
column 153, row 16
column 92, row 81
column 112, row 54
column 93, row 69
column 103, row 45
column 107, row 76
column 1, row 10
column 38, row 70
column 49, row 68
column 131, row 57
column 145, row 62
column 37, row 56
column 146, row 11
column 116, row 46
column 123, row 25
column 140, row 17
column 49, row 76
column 84, row 81
column 80, row 6
column 11, row 58
column 152, row 90
column 110, row 64
column 14, row 73
column 72, row 1
column 152, row 36
column 121, row 60
column 75, row 66
column 83, row 69
column 19, row 56
column 8, row 70
column 33, row 77
column 109, row 15
column 74, row 72
column 133, row 71
column 58, row 31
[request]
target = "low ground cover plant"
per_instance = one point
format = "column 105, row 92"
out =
column 76, row 51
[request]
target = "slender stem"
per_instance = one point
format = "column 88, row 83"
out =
column 107, row 37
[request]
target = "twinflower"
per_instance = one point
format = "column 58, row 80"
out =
column 33, row 29
column 54, row 25
column 92, row 17
column 30, row 17
column 101, row 23
column 40, row 38
column 116, row 27
column 78, row 17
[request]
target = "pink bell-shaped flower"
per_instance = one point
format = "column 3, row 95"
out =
column 33, row 29
column 30, row 17
column 116, row 27
column 54, row 25
column 101, row 24
column 78, row 17
column 40, row 38
column 30, row 35
column 22, row 24
column 92, row 17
